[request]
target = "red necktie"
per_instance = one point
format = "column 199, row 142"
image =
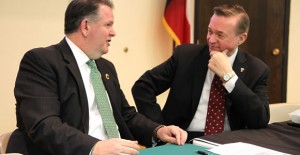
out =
column 216, row 108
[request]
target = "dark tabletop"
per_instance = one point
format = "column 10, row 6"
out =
column 280, row 136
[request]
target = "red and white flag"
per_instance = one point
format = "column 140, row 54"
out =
column 179, row 20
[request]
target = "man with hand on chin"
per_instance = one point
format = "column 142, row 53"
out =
column 189, row 74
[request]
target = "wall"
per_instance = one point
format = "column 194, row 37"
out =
column 139, row 28
column 24, row 25
column 38, row 23
column 293, row 76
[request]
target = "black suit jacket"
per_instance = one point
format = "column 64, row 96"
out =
column 184, row 73
column 52, row 107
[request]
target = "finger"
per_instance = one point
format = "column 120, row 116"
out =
column 175, row 131
column 212, row 53
column 183, row 137
column 225, row 52
column 170, row 139
column 130, row 144
column 130, row 147
column 129, row 151
column 177, row 137
column 132, row 153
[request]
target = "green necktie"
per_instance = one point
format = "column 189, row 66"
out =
column 102, row 102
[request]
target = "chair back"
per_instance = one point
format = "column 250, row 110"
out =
column 4, row 138
column 279, row 112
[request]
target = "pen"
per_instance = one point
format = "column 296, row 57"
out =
column 201, row 152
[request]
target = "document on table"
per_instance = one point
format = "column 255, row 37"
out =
column 241, row 148
column 204, row 143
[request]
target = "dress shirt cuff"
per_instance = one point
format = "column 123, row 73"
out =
column 229, row 85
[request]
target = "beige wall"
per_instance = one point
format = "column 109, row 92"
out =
column 293, row 82
column 36, row 23
column 24, row 25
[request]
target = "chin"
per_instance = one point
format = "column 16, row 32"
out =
column 104, row 52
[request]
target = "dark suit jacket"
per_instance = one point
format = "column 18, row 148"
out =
column 184, row 73
column 52, row 107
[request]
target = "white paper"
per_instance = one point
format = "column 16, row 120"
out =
column 204, row 143
column 295, row 116
column 240, row 148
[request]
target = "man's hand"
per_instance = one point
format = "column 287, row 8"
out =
column 219, row 63
column 172, row 134
column 116, row 146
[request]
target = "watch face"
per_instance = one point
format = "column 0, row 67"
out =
column 226, row 77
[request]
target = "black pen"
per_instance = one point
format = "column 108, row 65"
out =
column 201, row 152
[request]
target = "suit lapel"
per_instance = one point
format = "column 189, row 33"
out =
column 239, row 65
column 240, row 68
column 73, row 68
column 199, row 75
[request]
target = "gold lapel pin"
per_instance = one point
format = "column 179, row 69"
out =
column 107, row 76
column 242, row 69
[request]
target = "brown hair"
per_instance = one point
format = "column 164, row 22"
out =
column 77, row 10
column 228, row 10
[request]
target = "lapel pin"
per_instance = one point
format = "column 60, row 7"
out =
column 242, row 69
column 107, row 76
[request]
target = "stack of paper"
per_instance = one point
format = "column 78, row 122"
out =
column 295, row 116
column 243, row 149
column 238, row 148
column 204, row 143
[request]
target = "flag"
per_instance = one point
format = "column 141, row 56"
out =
column 179, row 20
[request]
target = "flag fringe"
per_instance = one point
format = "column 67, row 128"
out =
column 171, row 32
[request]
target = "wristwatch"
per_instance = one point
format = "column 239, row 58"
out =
column 228, row 76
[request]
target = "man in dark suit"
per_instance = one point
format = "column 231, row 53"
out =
column 56, row 108
column 188, row 75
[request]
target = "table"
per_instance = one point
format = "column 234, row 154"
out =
column 172, row 149
column 277, row 136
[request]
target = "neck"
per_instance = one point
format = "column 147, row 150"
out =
column 230, row 53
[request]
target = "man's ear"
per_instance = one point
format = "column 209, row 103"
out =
column 242, row 38
column 84, row 27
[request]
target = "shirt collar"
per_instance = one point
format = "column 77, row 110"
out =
column 79, row 55
column 233, row 56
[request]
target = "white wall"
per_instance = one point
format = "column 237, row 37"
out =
column 139, row 28
column 35, row 23
column 24, row 25
column 293, row 82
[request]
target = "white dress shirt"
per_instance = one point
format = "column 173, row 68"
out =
column 96, row 126
column 199, row 120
